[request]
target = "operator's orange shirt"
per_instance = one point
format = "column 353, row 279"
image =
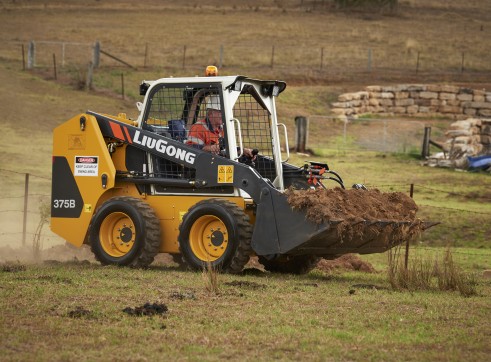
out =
column 201, row 135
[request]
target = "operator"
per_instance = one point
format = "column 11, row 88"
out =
column 206, row 133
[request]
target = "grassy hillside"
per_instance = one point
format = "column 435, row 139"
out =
column 154, row 33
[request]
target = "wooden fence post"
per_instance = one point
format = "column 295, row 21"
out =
column 31, row 55
column 63, row 55
column 220, row 63
column 96, row 55
column 24, row 221
column 302, row 129
column 23, row 58
column 406, row 256
column 90, row 73
column 462, row 66
column 417, row 64
column 272, row 58
column 54, row 66
column 122, row 85
column 322, row 57
column 425, row 152
column 369, row 65
column 146, row 56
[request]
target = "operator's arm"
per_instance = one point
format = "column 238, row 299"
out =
column 199, row 139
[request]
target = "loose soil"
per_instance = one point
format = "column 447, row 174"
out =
column 148, row 309
column 346, row 262
column 360, row 215
column 353, row 205
column 245, row 284
column 80, row 312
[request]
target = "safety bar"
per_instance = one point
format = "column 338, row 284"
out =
column 241, row 147
column 286, row 142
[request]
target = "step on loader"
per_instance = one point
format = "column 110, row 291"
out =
column 173, row 181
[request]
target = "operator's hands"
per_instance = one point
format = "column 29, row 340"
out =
column 249, row 153
column 215, row 149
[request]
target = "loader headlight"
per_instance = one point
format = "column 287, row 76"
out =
column 276, row 91
column 237, row 85
column 272, row 89
column 143, row 88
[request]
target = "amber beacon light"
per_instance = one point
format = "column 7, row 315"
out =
column 211, row 71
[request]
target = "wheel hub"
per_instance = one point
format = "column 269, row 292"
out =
column 117, row 234
column 217, row 238
column 208, row 238
column 126, row 235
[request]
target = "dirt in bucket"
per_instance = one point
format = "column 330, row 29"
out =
column 354, row 209
column 353, row 205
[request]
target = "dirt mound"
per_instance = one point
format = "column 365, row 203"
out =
column 346, row 262
column 148, row 309
column 80, row 312
column 353, row 205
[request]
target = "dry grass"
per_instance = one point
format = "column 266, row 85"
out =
column 44, row 216
column 211, row 277
column 424, row 273
column 450, row 276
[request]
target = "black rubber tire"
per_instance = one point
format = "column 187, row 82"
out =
column 146, row 240
column 238, row 249
column 287, row 264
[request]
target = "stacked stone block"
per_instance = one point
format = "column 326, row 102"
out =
column 464, row 138
column 415, row 100
column 470, row 137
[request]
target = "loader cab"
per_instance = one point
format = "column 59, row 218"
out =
column 173, row 105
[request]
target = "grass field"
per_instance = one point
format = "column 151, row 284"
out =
column 73, row 310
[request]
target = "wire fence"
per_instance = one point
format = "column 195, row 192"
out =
column 328, row 61
column 330, row 134
column 21, row 203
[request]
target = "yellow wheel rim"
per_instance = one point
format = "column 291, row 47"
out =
column 117, row 234
column 208, row 238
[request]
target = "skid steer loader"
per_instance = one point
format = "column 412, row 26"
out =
column 134, row 188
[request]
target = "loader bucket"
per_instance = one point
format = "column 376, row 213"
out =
column 335, row 222
column 366, row 237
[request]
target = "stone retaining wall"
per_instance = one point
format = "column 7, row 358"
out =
column 415, row 100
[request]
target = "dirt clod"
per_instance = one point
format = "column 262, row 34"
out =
column 182, row 295
column 79, row 312
column 368, row 286
column 346, row 262
column 148, row 309
column 245, row 284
